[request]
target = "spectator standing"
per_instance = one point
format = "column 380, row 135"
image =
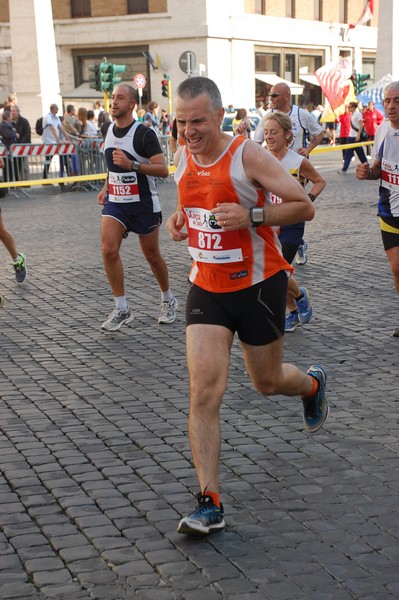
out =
column 91, row 128
column 106, row 122
column 70, row 124
column 82, row 121
column 53, row 133
column 248, row 124
column 164, row 122
column 21, row 125
column 260, row 109
column 24, row 134
column 98, row 109
column 331, row 128
column 151, row 116
column 372, row 118
column 385, row 168
column 8, row 135
column 355, row 134
column 317, row 112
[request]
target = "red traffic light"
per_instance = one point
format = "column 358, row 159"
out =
column 164, row 84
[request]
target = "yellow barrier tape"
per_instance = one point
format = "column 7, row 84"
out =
column 322, row 149
column 74, row 179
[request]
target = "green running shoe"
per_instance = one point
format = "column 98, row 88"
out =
column 20, row 268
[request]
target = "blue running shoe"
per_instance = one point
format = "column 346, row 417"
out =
column 206, row 518
column 305, row 309
column 292, row 321
column 301, row 257
column 316, row 407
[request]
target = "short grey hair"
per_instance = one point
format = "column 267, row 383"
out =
column 195, row 86
column 394, row 85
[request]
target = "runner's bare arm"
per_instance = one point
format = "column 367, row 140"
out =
column 266, row 172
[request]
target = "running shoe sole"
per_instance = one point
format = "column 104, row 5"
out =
column 194, row 527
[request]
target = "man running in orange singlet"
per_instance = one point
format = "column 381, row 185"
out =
column 239, row 279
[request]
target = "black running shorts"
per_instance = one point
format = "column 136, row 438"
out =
column 256, row 313
column 390, row 232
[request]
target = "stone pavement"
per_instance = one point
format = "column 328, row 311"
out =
column 95, row 467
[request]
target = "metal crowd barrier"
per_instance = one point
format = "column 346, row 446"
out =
column 80, row 162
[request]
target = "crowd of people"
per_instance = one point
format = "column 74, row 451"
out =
column 356, row 124
column 244, row 222
column 73, row 126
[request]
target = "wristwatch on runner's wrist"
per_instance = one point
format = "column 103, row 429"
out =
column 257, row 216
column 135, row 165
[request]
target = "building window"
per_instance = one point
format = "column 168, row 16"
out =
column 368, row 68
column 267, row 62
column 135, row 7
column 260, row 7
column 290, row 70
column 80, row 8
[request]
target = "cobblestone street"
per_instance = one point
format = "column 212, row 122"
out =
column 95, row 465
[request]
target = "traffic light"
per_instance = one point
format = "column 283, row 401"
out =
column 94, row 77
column 105, row 76
column 165, row 86
column 359, row 81
column 110, row 75
column 361, row 84
column 115, row 77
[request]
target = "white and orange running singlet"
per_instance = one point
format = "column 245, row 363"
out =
column 225, row 261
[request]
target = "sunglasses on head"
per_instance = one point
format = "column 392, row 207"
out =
column 275, row 95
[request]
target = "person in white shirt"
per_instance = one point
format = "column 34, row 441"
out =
column 53, row 133
column 91, row 129
column 355, row 135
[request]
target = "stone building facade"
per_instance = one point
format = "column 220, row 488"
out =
column 238, row 43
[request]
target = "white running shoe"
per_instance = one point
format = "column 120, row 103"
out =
column 117, row 318
column 168, row 311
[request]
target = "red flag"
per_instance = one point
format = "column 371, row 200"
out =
column 366, row 15
column 333, row 79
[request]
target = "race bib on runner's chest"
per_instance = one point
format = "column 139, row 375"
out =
column 123, row 187
column 390, row 175
column 207, row 242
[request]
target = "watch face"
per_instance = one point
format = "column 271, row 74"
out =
column 257, row 215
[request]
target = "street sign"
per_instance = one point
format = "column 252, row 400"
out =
column 187, row 62
column 139, row 81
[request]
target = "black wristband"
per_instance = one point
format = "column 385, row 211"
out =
column 312, row 197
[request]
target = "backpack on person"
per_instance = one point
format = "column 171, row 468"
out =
column 39, row 126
